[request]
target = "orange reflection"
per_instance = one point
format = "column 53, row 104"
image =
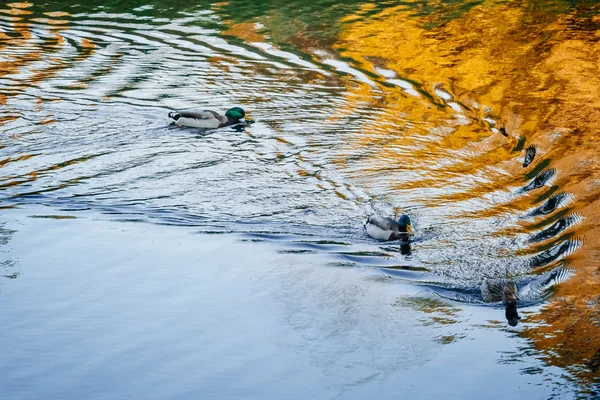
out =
column 245, row 31
column 22, row 35
column 496, row 65
column 42, row 61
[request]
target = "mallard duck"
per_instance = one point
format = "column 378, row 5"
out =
column 503, row 290
column 207, row 119
column 383, row 228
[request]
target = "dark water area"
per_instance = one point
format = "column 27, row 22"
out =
column 217, row 256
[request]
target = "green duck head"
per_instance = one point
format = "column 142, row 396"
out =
column 404, row 224
column 235, row 114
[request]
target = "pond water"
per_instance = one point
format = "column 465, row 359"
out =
column 141, row 259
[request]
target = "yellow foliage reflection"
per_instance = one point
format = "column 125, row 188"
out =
column 498, row 65
column 43, row 59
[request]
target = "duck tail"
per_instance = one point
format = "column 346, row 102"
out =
column 174, row 115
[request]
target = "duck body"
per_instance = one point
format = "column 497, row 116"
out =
column 207, row 119
column 496, row 290
column 383, row 228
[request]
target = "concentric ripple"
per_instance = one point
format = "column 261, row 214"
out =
column 486, row 139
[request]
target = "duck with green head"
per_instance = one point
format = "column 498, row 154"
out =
column 207, row 119
column 382, row 228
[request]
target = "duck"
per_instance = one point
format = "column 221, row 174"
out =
column 504, row 290
column 207, row 119
column 384, row 228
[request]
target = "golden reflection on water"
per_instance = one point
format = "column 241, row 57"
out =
column 453, row 84
column 246, row 31
column 21, row 62
column 47, row 51
column 510, row 65
column 22, row 35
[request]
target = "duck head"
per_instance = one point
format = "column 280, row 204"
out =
column 509, row 293
column 235, row 114
column 404, row 224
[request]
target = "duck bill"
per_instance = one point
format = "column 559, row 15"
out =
column 409, row 230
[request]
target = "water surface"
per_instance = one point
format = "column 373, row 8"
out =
column 476, row 118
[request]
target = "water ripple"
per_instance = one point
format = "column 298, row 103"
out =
column 339, row 134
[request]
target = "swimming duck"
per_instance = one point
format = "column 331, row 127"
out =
column 207, row 119
column 504, row 290
column 383, row 228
